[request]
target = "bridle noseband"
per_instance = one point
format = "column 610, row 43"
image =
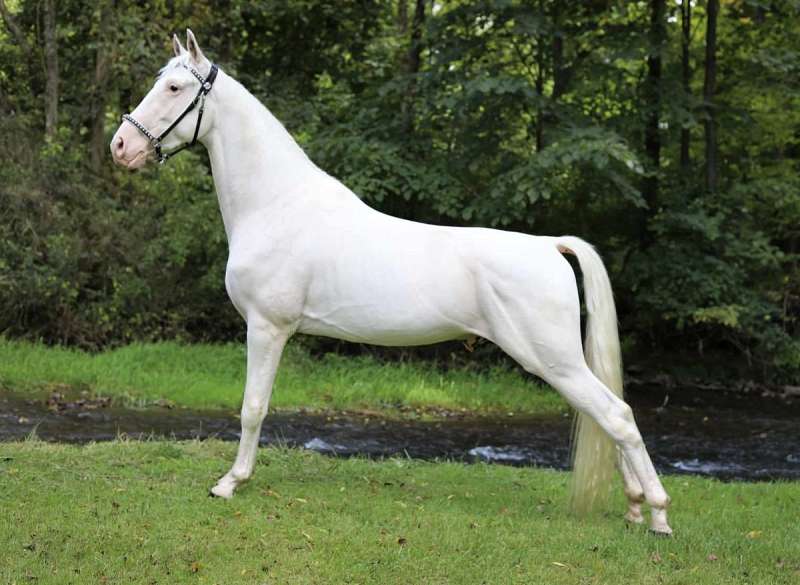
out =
column 205, row 87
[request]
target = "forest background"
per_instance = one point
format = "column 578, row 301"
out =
column 667, row 133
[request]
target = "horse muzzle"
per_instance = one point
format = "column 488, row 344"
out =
column 129, row 148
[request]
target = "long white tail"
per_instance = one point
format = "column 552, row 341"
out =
column 594, row 454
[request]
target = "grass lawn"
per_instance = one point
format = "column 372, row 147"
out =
column 207, row 376
column 137, row 512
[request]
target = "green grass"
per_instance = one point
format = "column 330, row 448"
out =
column 205, row 376
column 131, row 513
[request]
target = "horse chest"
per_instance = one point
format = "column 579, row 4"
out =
column 265, row 281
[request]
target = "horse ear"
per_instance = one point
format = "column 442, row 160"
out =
column 194, row 48
column 177, row 46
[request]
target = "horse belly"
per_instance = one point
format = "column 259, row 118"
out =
column 392, row 305
column 379, row 334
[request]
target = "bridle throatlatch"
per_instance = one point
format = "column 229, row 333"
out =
column 205, row 86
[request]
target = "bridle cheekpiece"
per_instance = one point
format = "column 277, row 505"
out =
column 205, row 86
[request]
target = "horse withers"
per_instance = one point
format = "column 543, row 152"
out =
column 307, row 255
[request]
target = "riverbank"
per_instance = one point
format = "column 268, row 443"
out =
column 212, row 376
column 137, row 512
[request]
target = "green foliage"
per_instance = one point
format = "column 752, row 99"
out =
column 520, row 115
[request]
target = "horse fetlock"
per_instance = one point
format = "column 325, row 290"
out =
column 241, row 474
column 658, row 501
column 635, row 494
column 634, row 514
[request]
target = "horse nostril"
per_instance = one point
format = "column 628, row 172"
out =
column 120, row 145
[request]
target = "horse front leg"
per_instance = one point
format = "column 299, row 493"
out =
column 265, row 344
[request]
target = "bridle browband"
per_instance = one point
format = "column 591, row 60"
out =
column 205, row 86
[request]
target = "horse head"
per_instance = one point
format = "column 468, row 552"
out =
column 174, row 114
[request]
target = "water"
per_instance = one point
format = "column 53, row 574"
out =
column 737, row 438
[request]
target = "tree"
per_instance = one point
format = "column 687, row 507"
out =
column 50, row 34
column 686, row 78
column 652, row 95
column 709, row 91
column 544, row 117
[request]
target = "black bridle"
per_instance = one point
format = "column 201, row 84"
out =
column 205, row 87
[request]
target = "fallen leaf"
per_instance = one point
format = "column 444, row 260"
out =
column 753, row 534
column 562, row 565
column 712, row 557
column 655, row 558
column 401, row 541
column 194, row 567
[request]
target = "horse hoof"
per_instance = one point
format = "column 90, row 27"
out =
column 658, row 522
column 661, row 532
column 221, row 491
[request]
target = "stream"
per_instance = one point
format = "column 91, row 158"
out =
column 739, row 437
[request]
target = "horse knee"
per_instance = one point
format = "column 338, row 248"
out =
column 253, row 412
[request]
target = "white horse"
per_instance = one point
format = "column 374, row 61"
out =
column 307, row 255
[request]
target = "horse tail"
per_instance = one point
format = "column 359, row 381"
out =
column 594, row 454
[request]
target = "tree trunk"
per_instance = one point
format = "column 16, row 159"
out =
column 652, row 94
column 19, row 38
column 97, row 142
column 402, row 16
column 560, row 73
column 540, row 111
column 413, row 57
column 686, row 31
column 51, row 69
column 548, row 117
column 709, row 90
column 12, row 26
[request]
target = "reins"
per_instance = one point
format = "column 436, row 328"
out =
column 205, row 86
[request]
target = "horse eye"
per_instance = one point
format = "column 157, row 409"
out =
column 173, row 88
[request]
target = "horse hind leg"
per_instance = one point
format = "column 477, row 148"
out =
column 633, row 490
column 565, row 369
column 588, row 395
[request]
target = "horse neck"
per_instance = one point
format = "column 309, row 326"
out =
column 254, row 160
